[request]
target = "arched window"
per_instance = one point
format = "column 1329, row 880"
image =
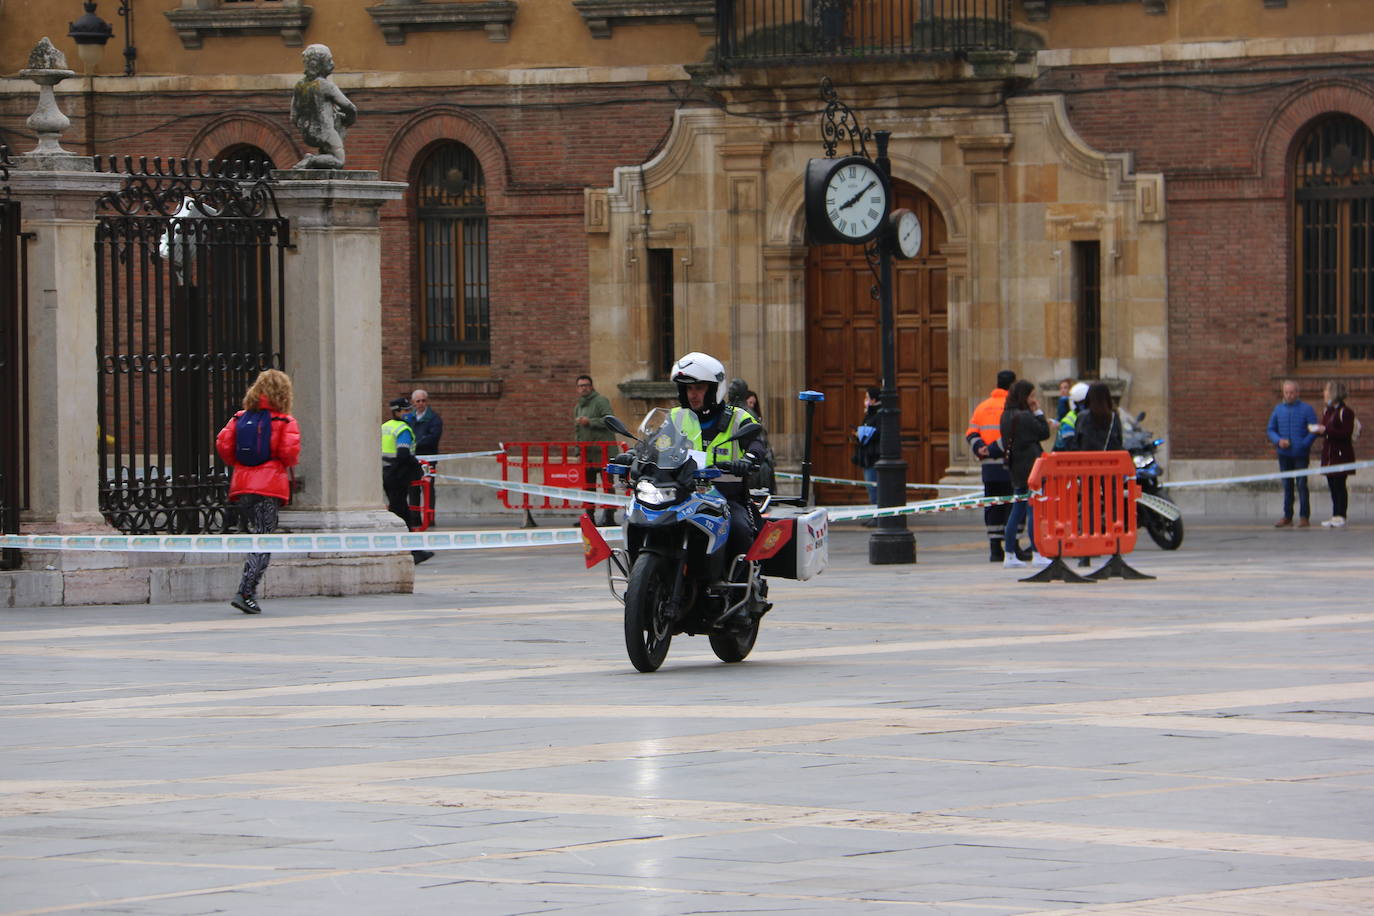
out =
column 243, row 159
column 455, row 307
column 1333, row 190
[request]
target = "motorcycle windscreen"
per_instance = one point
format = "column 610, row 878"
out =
column 672, row 438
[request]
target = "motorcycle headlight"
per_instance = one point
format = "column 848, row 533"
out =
column 647, row 493
column 1143, row 461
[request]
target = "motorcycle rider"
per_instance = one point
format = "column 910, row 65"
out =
column 701, row 389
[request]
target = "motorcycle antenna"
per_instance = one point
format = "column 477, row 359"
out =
column 809, row 398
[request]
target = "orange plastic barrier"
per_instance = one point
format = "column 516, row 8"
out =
column 554, row 464
column 424, row 506
column 1087, row 509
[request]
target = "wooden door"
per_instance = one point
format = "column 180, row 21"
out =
column 844, row 351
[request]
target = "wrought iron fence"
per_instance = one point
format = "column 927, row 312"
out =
column 14, row 389
column 189, row 311
column 780, row 31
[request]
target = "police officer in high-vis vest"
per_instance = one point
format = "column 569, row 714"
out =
column 400, row 467
column 701, row 389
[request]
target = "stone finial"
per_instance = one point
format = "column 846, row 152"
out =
column 46, row 56
column 47, row 67
column 321, row 111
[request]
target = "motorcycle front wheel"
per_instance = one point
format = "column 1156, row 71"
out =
column 734, row 646
column 648, row 631
column 1167, row 533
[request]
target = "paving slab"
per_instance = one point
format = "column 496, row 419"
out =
column 936, row 738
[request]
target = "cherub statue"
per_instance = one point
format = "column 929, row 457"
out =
column 321, row 111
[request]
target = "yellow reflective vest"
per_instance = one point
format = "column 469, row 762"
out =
column 721, row 447
column 391, row 431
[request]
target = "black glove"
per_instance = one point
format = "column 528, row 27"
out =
column 741, row 467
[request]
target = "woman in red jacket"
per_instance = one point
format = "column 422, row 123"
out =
column 260, row 489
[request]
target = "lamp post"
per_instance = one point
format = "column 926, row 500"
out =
column 892, row 541
column 849, row 201
column 90, row 33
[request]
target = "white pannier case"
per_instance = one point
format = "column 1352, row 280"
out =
column 807, row 551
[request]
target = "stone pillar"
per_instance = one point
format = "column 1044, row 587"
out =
column 334, row 344
column 58, row 195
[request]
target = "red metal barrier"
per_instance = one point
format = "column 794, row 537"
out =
column 555, row 464
column 424, row 506
column 1087, row 509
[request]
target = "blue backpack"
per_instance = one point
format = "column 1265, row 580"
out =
column 253, row 438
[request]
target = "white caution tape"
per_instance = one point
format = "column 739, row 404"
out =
column 788, row 475
column 1277, row 475
column 382, row 542
column 322, row 542
column 598, row 497
column 947, row 504
column 451, row 455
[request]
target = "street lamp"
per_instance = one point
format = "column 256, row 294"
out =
column 90, row 33
column 849, row 201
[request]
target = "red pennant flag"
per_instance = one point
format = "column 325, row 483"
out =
column 771, row 539
column 594, row 546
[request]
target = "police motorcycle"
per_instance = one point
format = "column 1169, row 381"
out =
column 674, row 574
column 1167, row 532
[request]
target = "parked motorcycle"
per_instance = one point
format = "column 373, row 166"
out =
column 1166, row 531
column 675, row 573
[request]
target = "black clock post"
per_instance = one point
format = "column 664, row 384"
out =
column 849, row 202
column 892, row 541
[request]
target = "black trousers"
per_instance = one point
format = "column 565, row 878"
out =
column 396, row 501
column 995, row 517
column 1340, row 496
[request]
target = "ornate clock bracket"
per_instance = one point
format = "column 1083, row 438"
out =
column 839, row 123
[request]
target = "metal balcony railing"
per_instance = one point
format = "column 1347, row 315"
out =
column 782, row 31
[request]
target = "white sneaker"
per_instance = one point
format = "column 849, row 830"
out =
column 1335, row 521
column 1040, row 561
column 1011, row 562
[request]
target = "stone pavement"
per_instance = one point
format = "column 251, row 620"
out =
column 930, row 739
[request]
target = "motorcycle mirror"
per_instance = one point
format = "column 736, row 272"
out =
column 1140, row 416
column 613, row 423
column 748, row 428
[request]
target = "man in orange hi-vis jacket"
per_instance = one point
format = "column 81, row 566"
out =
column 984, row 437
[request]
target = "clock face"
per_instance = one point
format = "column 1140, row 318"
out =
column 855, row 200
column 908, row 234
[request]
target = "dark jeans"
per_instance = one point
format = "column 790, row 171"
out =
column 1288, row 463
column 1340, row 497
column 258, row 515
column 1020, row 510
column 871, row 475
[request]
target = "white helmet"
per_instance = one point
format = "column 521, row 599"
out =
column 1078, row 393
column 699, row 367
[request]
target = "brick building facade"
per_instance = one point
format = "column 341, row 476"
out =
column 1224, row 134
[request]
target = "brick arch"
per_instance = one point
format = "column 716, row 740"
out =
column 413, row 141
column 240, row 127
column 1279, row 139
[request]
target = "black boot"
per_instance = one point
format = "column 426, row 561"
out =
column 995, row 552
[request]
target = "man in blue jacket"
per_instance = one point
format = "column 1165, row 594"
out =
column 1292, row 428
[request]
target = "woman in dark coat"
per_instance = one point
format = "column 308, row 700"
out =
column 1338, row 429
column 1098, row 429
column 1024, row 427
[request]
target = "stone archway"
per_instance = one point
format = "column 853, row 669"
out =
column 844, row 356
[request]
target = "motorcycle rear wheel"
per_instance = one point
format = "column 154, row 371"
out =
column 1167, row 533
column 734, row 646
column 647, row 629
